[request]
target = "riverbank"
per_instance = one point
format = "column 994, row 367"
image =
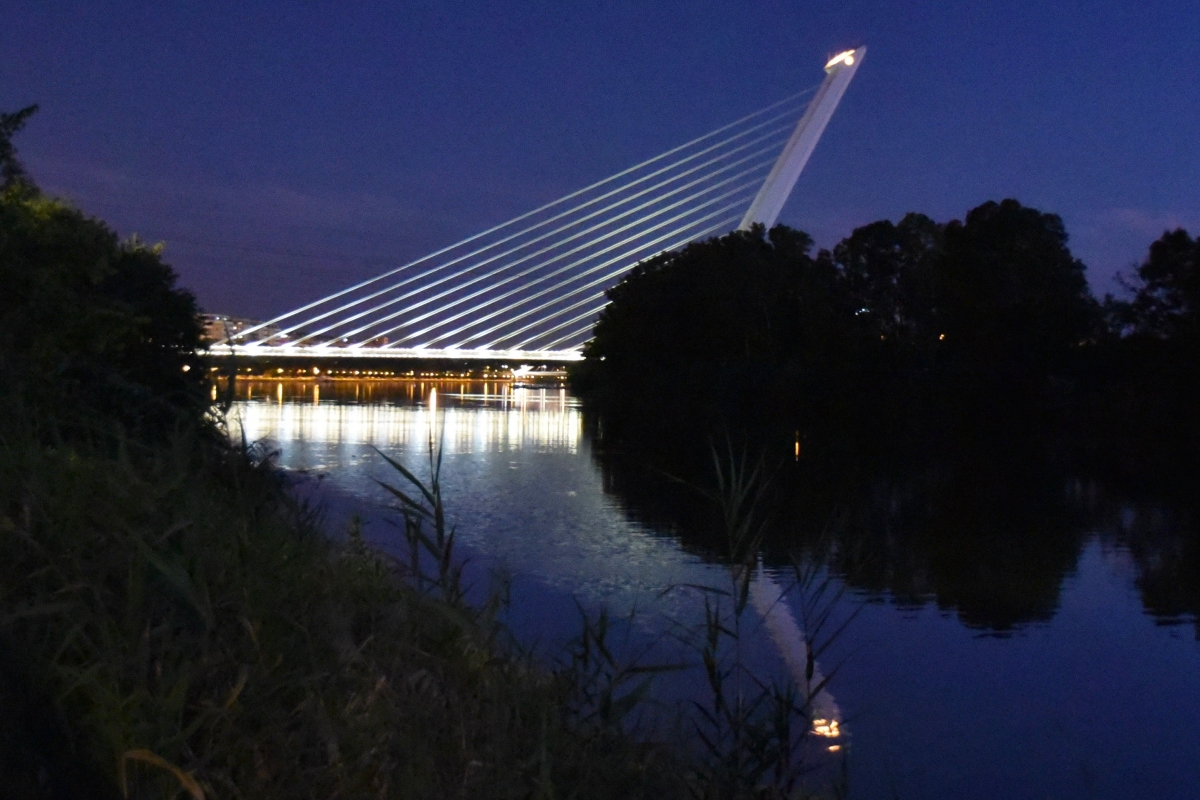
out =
column 174, row 622
column 194, row 628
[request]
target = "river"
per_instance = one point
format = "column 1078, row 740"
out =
column 1067, row 669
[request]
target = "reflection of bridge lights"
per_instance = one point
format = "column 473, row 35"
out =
column 508, row 422
column 827, row 728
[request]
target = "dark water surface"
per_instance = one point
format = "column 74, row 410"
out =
column 1060, row 661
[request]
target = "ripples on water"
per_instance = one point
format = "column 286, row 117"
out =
column 516, row 475
column 1092, row 691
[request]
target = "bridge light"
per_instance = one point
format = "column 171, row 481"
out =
column 846, row 58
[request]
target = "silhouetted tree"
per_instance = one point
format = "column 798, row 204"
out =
column 888, row 269
column 899, row 323
column 1150, row 375
column 747, row 327
column 1009, row 298
column 11, row 170
column 87, row 317
column 1166, row 301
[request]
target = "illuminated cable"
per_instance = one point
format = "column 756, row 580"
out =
column 589, row 244
column 604, row 279
column 380, row 306
column 556, row 286
column 545, row 207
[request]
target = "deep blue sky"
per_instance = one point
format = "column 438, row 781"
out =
column 284, row 149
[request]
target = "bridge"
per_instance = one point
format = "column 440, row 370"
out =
column 530, row 289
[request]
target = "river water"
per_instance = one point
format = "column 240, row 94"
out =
column 1066, row 667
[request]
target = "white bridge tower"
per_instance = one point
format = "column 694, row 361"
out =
column 530, row 289
column 778, row 185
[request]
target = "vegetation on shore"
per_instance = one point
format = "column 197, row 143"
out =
column 951, row 413
column 190, row 626
column 903, row 338
column 174, row 623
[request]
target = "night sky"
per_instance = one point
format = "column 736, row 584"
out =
column 283, row 150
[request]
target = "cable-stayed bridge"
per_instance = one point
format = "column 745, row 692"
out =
column 531, row 288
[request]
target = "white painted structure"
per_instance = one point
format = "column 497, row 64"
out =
column 530, row 289
column 778, row 185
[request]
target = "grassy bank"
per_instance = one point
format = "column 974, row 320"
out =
column 189, row 628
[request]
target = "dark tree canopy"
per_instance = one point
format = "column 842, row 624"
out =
column 751, row 328
column 742, row 298
column 1166, row 301
column 1009, row 297
column 888, row 269
column 11, row 170
column 748, row 325
column 85, row 316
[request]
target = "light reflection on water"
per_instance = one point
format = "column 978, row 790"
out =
column 937, row 710
column 517, row 477
column 522, row 490
column 465, row 423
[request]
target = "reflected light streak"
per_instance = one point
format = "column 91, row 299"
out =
column 516, row 425
column 768, row 599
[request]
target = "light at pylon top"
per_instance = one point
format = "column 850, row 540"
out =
column 846, row 58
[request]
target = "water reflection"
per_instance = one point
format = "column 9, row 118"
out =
column 1058, row 572
column 516, row 475
column 469, row 422
column 988, row 530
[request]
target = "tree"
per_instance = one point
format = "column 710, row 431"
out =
column 84, row 316
column 738, row 298
column 1008, row 297
column 11, row 170
column 747, row 329
column 1166, row 301
column 887, row 268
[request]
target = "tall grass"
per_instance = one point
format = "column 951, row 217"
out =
column 753, row 731
column 200, row 635
column 746, row 736
column 174, row 623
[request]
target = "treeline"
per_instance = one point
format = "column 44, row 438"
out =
column 904, row 337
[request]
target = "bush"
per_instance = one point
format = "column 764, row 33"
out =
column 86, row 319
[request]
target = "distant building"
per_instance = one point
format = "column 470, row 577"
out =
column 222, row 327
